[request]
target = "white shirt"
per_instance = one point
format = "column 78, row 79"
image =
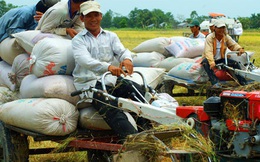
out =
column 218, row 55
column 93, row 56
column 200, row 35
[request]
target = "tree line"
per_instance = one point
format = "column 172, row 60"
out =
column 144, row 18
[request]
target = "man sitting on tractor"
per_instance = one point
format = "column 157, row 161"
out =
column 216, row 44
column 94, row 50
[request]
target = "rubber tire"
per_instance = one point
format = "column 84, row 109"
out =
column 197, row 125
column 13, row 146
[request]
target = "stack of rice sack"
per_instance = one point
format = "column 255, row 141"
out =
column 44, row 103
column 42, row 75
column 180, row 56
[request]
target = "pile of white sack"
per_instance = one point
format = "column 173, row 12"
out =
column 38, row 66
column 180, row 56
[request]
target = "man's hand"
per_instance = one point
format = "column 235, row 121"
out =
column 116, row 70
column 71, row 32
column 38, row 16
column 241, row 51
column 213, row 66
column 128, row 66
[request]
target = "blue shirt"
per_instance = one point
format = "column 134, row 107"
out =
column 17, row 20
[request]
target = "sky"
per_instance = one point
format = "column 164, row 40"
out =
column 178, row 8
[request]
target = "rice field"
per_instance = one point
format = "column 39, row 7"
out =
column 250, row 40
column 131, row 38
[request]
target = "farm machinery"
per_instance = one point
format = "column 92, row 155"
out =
column 233, row 138
column 104, row 143
column 231, row 120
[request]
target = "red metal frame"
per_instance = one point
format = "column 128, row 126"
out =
column 97, row 145
column 253, row 98
column 238, row 126
column 186, row 111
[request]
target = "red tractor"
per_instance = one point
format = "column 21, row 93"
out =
column 232, row 122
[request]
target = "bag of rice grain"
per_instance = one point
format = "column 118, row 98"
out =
column 20, row 69
column 9, row 49
column 147, row 59
column 188, row 48
column 171, row 62
column 153, row 76
column 28, row 39
column 155, row 44
column 53, row 86
column 190, row 71
column 52, row 56
column 52, row 116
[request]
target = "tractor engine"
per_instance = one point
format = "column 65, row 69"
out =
column 235, row 123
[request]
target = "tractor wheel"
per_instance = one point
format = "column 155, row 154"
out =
column 13, row 146
column 201, row 127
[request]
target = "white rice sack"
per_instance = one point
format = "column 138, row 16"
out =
column 189, row 71
column 147, row 59
column 155, row 44
column 153, row 76
column 198, row 59
column 188, row 48
column 54, row 117
column 89, row 118
column 28, row 39
column 164, row 100
column 9, row 49
column 54, row 86
column 171, row 62
column 52, row 56
column 5, row 69
column 20, row 69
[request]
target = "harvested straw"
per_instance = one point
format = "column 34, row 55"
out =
column 187, row 139
column 6, row 95
column 250, row 87
column 232, row 111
